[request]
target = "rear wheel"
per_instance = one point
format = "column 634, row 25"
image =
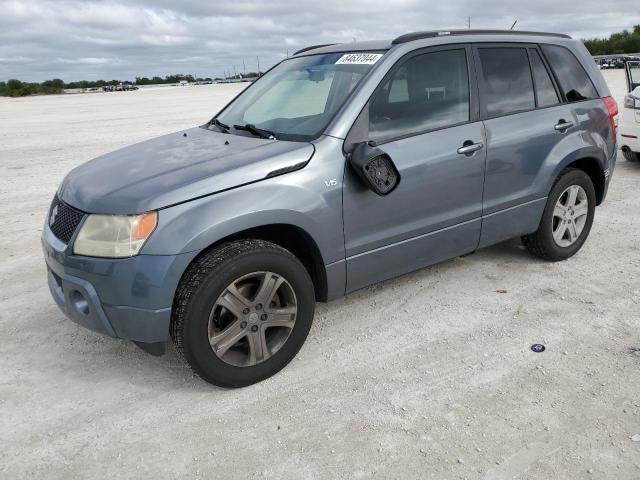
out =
column 631, row 156
column 242, row 312
column 567, row 218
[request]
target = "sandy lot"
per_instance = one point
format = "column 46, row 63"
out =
column 425, row 376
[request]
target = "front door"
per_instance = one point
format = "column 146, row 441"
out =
column 424, row 116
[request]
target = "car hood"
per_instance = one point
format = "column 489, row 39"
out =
column 176, row 168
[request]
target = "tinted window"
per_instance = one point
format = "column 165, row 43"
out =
column 544, row 86
column 573, row 80
column 507, row 84
column 398, row 89
column 427, row 92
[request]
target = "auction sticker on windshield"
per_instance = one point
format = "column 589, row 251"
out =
column 359, row 59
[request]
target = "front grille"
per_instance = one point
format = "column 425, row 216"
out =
column 63, row 219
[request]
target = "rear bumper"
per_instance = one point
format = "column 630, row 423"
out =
column 608, row 174
column 127, row 298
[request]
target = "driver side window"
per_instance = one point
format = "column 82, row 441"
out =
column 427, row 92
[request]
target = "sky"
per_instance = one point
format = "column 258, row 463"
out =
column 91, row 40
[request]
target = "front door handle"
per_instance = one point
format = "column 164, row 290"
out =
column 469, row 148
column 563, row 126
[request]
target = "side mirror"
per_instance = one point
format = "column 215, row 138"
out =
column 375, row 168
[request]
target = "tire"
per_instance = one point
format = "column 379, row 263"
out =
column 542, row 243
column 631, row 156
column 200, row 306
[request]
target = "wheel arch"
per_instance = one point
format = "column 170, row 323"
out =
column 592, row 168
column 592, row 163
column 290, row 237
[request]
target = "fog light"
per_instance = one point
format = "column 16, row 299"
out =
column 79, row 303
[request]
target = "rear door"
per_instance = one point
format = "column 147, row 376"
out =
column 524, row 118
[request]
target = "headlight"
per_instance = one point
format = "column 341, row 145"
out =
column 114, row 236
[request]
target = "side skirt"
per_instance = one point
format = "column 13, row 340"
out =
column 512, row 222
column 411, row 254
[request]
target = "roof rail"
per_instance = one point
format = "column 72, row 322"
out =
column 313, row 47
column 409, row 37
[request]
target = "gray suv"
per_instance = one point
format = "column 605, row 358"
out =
column 343, row 166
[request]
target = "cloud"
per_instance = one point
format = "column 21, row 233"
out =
column 73, row 40
column 88, row 60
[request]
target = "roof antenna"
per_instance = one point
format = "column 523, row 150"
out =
column 514, row 24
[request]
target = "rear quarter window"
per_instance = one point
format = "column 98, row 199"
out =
column 571, row 75
column 546, row 93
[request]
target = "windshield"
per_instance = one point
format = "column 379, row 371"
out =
column 297, row 99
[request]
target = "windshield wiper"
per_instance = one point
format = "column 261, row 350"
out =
column 258, row 132
column 219, row 124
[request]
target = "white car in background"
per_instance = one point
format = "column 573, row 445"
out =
column 629, row 127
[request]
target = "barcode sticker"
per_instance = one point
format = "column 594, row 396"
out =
column 359, row 59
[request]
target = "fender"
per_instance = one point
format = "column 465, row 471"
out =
column 197, row 224
column 580, row 154
column 574, row 147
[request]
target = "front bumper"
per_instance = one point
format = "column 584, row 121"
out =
column 127, row 298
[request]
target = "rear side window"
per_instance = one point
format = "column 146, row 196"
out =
column 572, row 77
column 427, row 92
column 545, row 91
column 506, row 79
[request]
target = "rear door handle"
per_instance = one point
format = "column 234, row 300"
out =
column 563, row 126
column 468, row 147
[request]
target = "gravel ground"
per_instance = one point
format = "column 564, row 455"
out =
column 426, row 376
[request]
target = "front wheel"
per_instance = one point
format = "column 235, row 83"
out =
column 567, row 218
column 242, row 312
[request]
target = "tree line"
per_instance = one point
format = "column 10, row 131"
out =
column 621, row 42
column 17, row 88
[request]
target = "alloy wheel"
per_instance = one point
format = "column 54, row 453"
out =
column 570, row 216
column 252, row 319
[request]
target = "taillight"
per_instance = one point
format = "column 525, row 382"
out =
column 612, row 107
